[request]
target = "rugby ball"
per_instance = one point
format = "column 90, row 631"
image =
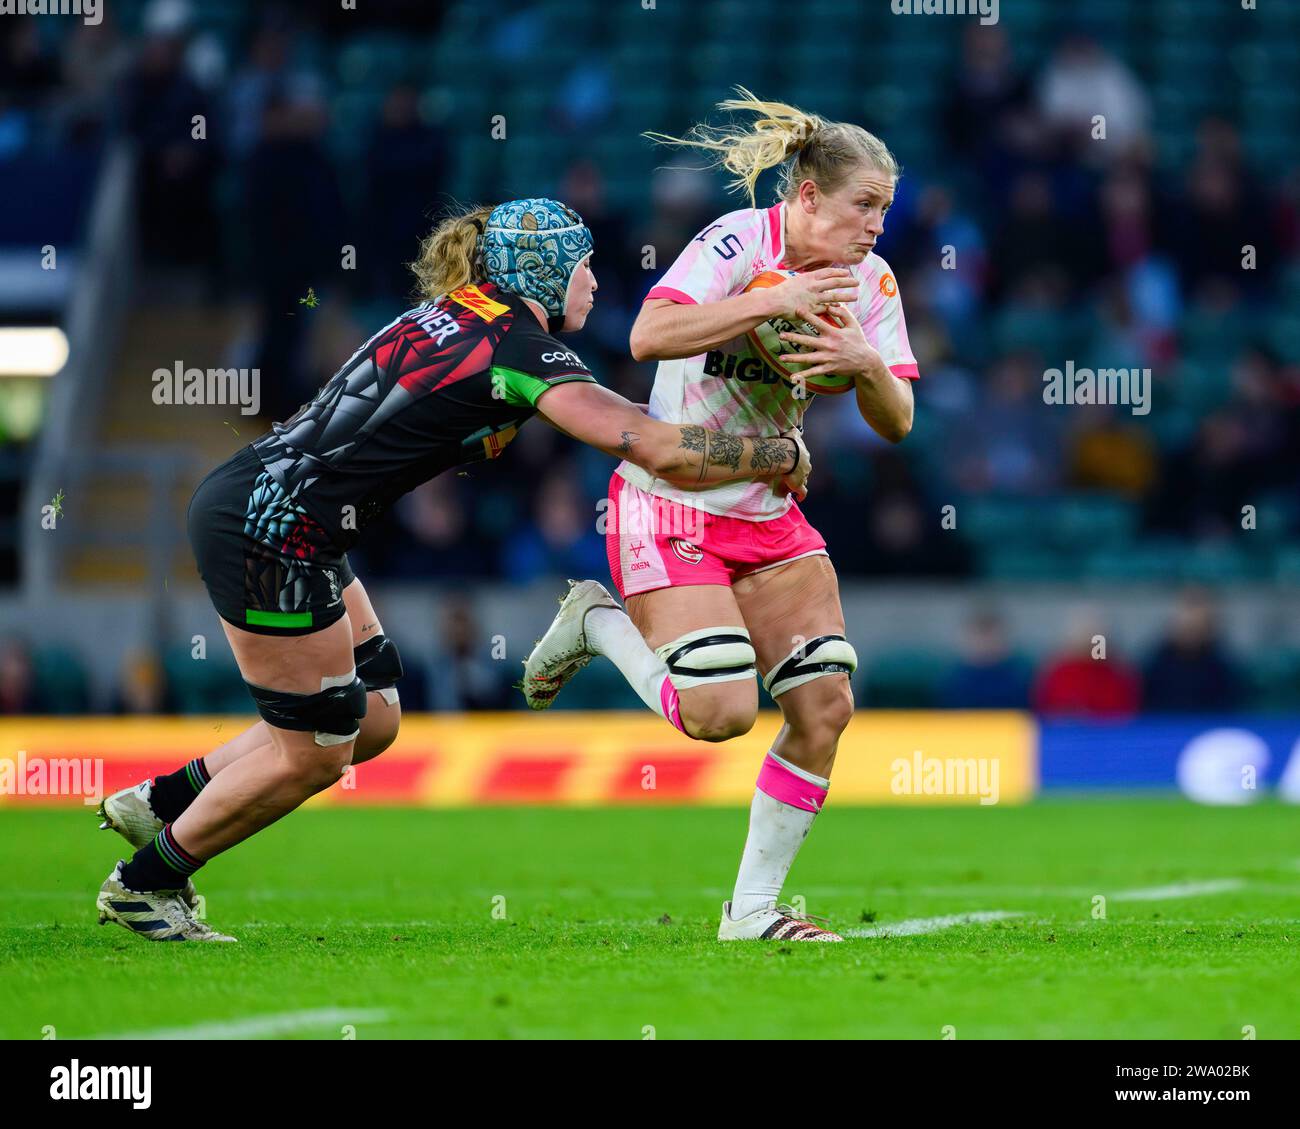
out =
column 766, row 340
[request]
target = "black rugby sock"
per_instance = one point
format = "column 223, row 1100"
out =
column 173, row 793
column 161, row 865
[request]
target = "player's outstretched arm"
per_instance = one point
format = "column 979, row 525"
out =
column 666, row 330
column 684, row 454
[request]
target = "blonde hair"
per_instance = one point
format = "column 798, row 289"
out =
column 449, row 254
column 824, row 152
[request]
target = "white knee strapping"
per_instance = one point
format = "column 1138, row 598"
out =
column 709, row 655
column 826, row 654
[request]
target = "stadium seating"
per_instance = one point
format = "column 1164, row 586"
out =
column 614, row 71
column 211, row 686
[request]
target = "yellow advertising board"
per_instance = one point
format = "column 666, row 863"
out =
column 563, row 758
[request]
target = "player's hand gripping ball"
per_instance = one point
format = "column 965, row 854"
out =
column 766, row 339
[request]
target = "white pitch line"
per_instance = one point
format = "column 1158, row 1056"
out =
column 257, row 1025
column 922, row 925
column 919, row 925
column 1180, row 890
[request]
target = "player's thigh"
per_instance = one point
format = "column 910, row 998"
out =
column 296, row 664
column 726, row 709
column 361, row 613
column 785, row 608
column 789, row 604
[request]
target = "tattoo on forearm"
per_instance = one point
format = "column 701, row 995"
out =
column 769, row 455
column 627, row 439
column 694, row 438
column 726, row 451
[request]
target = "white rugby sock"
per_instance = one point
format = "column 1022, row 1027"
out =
column 786, row 801
column 611, row 632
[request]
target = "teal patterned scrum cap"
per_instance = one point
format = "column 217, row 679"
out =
column 532, row 247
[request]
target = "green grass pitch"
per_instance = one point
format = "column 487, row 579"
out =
column 382, row 921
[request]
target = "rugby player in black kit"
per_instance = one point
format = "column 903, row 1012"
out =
column 445, row 384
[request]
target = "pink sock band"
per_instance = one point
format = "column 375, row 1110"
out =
column 783, row 785
column 671, row 706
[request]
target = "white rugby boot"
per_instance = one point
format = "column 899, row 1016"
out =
column 775, row 923
column 559, row 654
column 130, row 813
column 156, row 915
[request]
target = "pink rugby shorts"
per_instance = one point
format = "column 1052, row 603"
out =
column 654, row 542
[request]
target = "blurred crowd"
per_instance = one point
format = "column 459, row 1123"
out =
column 1189, row 670
column 1031, row 244
column 1047, row 245
column 1025, row 243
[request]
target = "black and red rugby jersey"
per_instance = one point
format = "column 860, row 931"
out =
column 447, row 383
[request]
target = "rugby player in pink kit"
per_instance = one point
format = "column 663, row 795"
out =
column 727, row 577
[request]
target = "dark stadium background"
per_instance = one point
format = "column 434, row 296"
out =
column 329, row 128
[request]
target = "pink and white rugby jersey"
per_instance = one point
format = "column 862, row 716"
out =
column 731, row 388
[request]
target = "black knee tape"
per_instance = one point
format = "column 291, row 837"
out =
column 379, row 665
column 336, row 710
column 814, row 658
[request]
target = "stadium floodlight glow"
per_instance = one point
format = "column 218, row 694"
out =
column 32, row 350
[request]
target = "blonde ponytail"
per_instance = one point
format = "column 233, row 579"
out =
column 806, row 146
column 449, row 254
